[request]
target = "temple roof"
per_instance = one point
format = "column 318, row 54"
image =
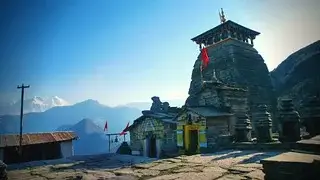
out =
column 220, row 27
column 208, row 111
column 166, row 118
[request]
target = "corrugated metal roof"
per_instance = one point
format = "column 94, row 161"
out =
column 208, row 111
column 36, row 138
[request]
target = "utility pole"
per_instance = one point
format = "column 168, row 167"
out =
column 21, row 116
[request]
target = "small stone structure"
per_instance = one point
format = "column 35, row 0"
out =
column 243, row 128
column 290, row 122
column 311, row 116
column 207, row 123
column 263, row 124
column 153, row 133
column 3, row 171
column 124, row 149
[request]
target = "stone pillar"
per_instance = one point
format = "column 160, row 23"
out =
column 290, row 122
column 263, row 124
column 235, row 35
column 311, row 116
column 3, row 171
column 243, row 128
column 251, row 41
column 229, row 34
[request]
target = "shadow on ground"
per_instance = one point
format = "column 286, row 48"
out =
column 250, row 156
column 257, row 157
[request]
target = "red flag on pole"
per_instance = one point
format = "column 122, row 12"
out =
column 125, row 129
column 106, row 126
column 204, row 58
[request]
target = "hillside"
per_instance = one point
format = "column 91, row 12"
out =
column 56, row 117
column 92, row 139
column 298, row 76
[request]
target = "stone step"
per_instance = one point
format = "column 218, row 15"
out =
column 309, row 145
column 291, row 165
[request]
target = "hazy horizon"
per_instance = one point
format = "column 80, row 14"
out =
column 118, row 52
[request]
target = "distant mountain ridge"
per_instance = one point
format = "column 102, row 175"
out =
column 67, row 116
column 35, row 104
column 92, row 139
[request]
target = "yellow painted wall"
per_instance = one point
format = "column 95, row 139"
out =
column 183, row 130
column 180, row 135
column 187, row 129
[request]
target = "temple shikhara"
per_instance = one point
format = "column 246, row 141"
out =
column 233, row 61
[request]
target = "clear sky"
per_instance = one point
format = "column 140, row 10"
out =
column 129, row 50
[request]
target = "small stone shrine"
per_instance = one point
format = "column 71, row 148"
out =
column 263, row 124
column 208, row 120
column 153, row 133
column 311, row 116
column 243, row 128
column 290, row 122
column 124, row 149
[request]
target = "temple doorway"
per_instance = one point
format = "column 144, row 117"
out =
column 193, row 134
column 152, row 146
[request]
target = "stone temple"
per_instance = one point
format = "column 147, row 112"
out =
column 233, row 61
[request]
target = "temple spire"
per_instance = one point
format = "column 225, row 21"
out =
column 222, row 16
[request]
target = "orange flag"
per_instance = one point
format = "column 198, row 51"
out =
column 204, row 58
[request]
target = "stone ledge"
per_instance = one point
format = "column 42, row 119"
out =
column 291, row 165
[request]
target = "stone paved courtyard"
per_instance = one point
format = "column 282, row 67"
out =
column 221, row 165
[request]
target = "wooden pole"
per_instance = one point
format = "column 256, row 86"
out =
column 109, row 143
column 21, row 116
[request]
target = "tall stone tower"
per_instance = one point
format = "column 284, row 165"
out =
column 235, row 62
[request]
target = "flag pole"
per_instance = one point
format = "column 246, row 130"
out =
column 201, row 65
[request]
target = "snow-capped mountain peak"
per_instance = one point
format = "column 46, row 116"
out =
column 56, row 101
column 34, row 104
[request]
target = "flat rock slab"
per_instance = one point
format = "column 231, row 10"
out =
column 240, row 169
column 224, row 165
column 231, row 177
column 188, row 169
column 173, row 160
column 292, row 157
column 313, row 141
column 164, row 166
column 147, row 172
column 125, row 171
column 257, row 174
column 145, row 165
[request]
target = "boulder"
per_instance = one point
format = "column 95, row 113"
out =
column 3, row 171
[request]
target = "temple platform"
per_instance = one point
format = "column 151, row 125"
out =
column 303, row 162
column 292, row 165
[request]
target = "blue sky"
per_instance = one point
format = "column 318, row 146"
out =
column 126, row 51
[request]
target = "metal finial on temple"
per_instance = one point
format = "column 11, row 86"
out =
column 222, row 16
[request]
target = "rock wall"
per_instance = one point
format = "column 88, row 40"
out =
column 297, row 77
column 237, row 64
